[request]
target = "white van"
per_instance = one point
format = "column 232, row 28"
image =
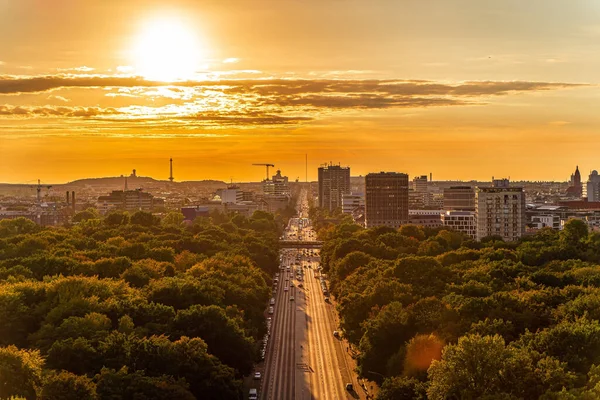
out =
column 272, row 301
column 252, row 394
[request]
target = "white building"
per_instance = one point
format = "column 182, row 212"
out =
column 351, row 202
column 500, row 211
column 593, row 186
column 545, row 221
column 231, row 195
column 461, row 221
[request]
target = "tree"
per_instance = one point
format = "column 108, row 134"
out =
column 224, row 337
column 67, row 386
column 173, row 219
column 117, row 218
column 574, row 233
column 85, row 215
column 484, row 367
column 402, row 388
column 20, row 372
column 135, row 385
column 144, row 218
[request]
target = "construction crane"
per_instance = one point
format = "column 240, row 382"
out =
column 266, row 165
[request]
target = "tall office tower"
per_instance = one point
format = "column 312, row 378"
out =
column 500, row 211
column 593, row 186
column 334, row 181
column 386, row 199
column 459, row 198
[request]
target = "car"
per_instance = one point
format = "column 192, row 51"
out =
column 336, row 334
column 285, row 289
column 270, row 310
column 257, row 375
column 349, row 387
column 291, row 298
column 292, row 284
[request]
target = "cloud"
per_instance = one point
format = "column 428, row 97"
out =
column 125, row 69
column 77, row 69
column 230, row 60
column 60, row 98
column 50, row 111
column 252, row 102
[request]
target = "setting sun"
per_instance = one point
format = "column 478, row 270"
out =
column 167, row 50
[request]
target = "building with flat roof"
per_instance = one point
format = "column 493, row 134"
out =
column 461, row 221
column 128, row 200
column 334, row 182
column 459, row 198
column 352, row 201
column 500, row 211
column 386, row 199
column 425, row 218
column 593, row 187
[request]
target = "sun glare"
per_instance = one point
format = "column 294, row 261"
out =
column 167, row 50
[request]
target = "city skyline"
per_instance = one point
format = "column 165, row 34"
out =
column 461, row 89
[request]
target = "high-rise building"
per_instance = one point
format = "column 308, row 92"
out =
column 277, row 186
column 593, row 186
column 500, row 211
column 386, row 199
column 334, row 181
column 459, row 198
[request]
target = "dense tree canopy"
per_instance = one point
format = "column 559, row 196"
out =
column 132, row 307
column 435, row 315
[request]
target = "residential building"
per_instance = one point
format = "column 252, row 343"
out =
column 500, row 211
column 386, row 202
column 461, row 221
column 352, row 201
column 128, row 200
column 334, row 181
column 545, row 221
column 459, row 198
column 425, row 218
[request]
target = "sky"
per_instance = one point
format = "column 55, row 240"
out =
column 462, row 89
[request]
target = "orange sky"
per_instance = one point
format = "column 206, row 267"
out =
column 462, row 89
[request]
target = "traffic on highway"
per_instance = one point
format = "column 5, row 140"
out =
column 305, row 356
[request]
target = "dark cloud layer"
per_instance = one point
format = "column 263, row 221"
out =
column 266, row 87
column 252, row 102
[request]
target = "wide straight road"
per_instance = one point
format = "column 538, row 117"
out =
column 304, row 360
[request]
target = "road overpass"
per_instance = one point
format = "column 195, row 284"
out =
column 300, row 244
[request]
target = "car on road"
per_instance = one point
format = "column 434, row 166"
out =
column 285, row 289
column 252, row 394
column 349, row 387
column 270, row 310
column 257, row 375
column 292, row 284
column 291, row 298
